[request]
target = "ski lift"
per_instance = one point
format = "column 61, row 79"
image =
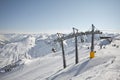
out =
column 53, row 50
column 104, row 37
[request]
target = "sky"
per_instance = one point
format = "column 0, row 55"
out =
column 52, row 16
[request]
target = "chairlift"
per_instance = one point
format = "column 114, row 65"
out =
column 54, row 50
column 105, row 37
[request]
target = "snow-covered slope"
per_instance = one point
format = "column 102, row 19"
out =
column 15, row 47
column 13, row 52
column 48, row 65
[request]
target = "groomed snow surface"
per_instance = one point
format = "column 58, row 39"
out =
column 38, row 62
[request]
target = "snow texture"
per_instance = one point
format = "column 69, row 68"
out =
column 40, row 63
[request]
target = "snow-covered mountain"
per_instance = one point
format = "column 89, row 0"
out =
column 40, row 63
column 14, row 47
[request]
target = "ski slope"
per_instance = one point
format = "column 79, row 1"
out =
column 48, row 66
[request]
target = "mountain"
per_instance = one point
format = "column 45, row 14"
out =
column 40, row 63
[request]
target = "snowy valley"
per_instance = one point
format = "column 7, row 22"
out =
column 30, row 57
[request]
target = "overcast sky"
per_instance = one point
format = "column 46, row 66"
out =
column 51, row 16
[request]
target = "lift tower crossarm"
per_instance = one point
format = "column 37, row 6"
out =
column 78, row 34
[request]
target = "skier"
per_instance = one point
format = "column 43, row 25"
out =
column 100, row 46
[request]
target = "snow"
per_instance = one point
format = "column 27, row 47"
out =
column 40, row 63
column 13, row 52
